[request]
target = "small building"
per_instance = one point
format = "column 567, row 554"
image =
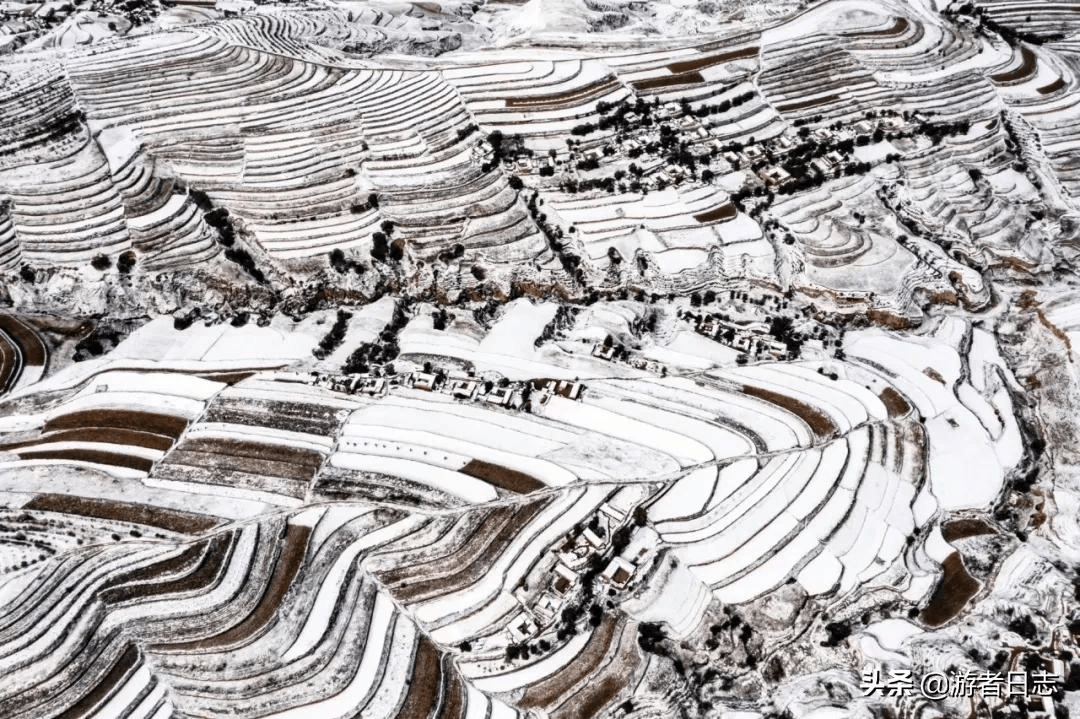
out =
column 372, row 385
column 464, row 389
column 618, row 572
column 565, row 579
column 774, row 176
column 522, row 627
column 547, row 608
column 569, row 390
column 425, row 381
column 602, row 351
column 500, row 396
column 594, row 539
column 821, row 166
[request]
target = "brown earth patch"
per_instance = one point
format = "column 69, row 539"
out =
column 807, row 104
column 560, row 99
column 898, row 27
column 7, row 364
column 934, row 375
column 126, row 585
column 425, row 682
column 138, row 421
column 479, row 536
column 32, row 348
column 889, row 319
column 104, row 435
column 1052, row 87
column 502, row 477
column 817, row 420
column 285, row 569
column 123, row 666
column 550, row 690
column 112, row 459
column 952, row 594
column 229, row 378
column 894, row 402
column 219, row 463
column 214, row 554
column 472, row 561
column 701, row 63
column 453, row 701
column 724, row 212
column 171, row 519
column 963, row 528
column 602, row 688
column 594, row 697
column 1028, row 64
column 308, row 458
column 659, row 83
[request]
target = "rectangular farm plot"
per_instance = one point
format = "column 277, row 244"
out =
column 172, row 520
column 309, row 418
column 700, row 63
column 242, row 463
column 502, row 477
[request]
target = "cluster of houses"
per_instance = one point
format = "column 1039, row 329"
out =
column 554, row 581
column 657, row 172
column 613, row 353
column 751, row 339
column 21, row 22
column 512, row 395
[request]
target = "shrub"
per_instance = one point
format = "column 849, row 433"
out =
column 125, row 261
column 101, row 262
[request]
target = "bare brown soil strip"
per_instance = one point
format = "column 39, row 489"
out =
column 424, row 683
column 889, row 319
column 7, row 363
column 894, row 402
column 243, row 463
column 127, row 585
column 817, row 420
column 934, row 375
column 480, row 536
column 170, row 519
column 558, row 99
column 104, row 435
column 32, row 348
column 807, row 104
column 1028, row 64
column 472, row 562
column 964, row 528
column 665, row 81
column 113, row 459
column 163, row 424
column 549, row 691
column 897, row 28
column 1052, row 87
column 952, row 594
column 701, row 63
column 285, row 570
column 292, row 416
column 211, row 564
column 722, row 213
column 226, row 377
column 108, row 684
column 453, row 701
column 594, row 697
column 252, row 450
column 602, row 689
column 502, row 477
